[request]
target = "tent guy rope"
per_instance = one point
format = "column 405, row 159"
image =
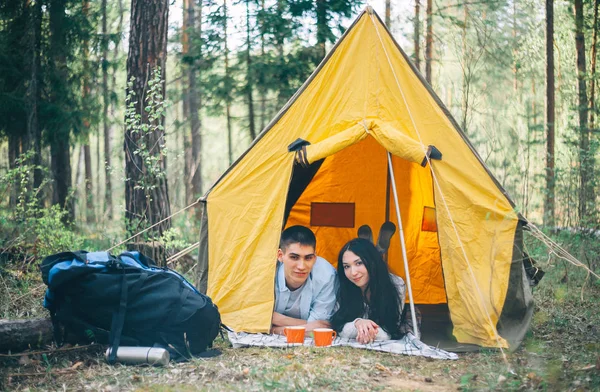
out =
column 154, row 225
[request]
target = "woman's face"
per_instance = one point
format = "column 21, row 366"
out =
column 355, row 269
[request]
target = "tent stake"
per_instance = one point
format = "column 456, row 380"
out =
column 403, row 245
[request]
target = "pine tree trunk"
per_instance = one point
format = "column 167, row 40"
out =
column 585, row 158
column 429, row 41
column 321, row 27
column 282, row 79
column 185, row 103
column 249, row 77
column 147, row 51
column 60, row 136
column 417, row 34
column 85, row 93
column 466, row 73
column 105, row 120
column 13, row 154
column 194, row 109
column 33, row 135
column 549, row 215
column 228, row 89
column 89, row 195
column 36, row 87
column 388, row 13
column 261, row 80
column 593, row 69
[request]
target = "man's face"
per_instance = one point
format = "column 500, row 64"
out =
column 298, row 261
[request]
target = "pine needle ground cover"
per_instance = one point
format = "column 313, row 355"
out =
column 560, row 353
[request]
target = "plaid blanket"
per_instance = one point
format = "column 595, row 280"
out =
column 408, row 345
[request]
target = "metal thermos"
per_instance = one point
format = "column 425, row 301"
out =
column 141, row 355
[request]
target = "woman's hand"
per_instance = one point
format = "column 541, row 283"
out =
column 366, row 330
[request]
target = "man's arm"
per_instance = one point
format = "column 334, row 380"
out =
column 281, row 321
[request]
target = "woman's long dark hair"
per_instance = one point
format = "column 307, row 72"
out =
column 384, row 301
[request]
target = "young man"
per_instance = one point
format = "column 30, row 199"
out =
column 305, row 284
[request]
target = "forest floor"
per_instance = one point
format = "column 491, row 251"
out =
column 561, row 352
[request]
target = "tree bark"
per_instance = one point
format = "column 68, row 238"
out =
column 60, row 135
column 13, row 154
column 89, row 194
column 249, row 77
column 227, row 89
column 261, row 74
column 549, row 215
column 185, row 103
column 35, row 130
column 585, row 159
column 388, row 14
column 147, row 51
column 429, row 41
column 417, row 34
column 282, row 81
column 321, row 8
column 105, row 120
column 593, row 68
column 194, row 103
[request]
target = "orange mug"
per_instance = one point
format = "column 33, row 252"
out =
column 294, row 334
column 324, row 336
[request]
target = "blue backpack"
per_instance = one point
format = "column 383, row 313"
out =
column 127, row 300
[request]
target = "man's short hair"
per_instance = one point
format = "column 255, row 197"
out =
column 297, row 235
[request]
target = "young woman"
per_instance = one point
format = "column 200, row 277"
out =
column 370, row 299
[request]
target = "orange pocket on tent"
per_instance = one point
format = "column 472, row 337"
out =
column 429, row 222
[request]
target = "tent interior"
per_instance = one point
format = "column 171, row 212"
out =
column 338, row 194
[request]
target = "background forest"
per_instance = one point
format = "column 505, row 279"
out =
column 84, row 162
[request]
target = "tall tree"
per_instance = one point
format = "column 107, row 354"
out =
column 249, row 88
column 195, row 99
column 108, row 209
column 417, row 34
column 147, row 53
column 586, row 190
column 228, row 79
column 85, row 92
column 35, row 88
column 388, row 14
column 593, row 75
column 59, row 129
column 549, row 217
column 324, row 12
column 429, row 41
column 35, row 92
column 261, row 69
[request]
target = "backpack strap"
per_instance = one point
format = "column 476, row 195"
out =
column 118, row 320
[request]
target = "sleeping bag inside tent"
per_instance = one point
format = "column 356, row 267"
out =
column 322, row 162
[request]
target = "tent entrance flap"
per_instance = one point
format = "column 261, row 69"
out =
column 357, row 175
column 301, row 177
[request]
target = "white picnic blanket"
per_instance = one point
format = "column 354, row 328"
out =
column 408, row 345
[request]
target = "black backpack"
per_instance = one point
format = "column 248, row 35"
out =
column 127, row 300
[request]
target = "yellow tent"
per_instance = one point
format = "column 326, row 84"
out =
column 463, row 237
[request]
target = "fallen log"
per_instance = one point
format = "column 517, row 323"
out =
column 24, row 334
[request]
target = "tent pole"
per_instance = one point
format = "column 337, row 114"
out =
column 403, row 245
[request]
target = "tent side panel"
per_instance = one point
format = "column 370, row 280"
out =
column 202, row 266
column 245, row 214
column 518, row 307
